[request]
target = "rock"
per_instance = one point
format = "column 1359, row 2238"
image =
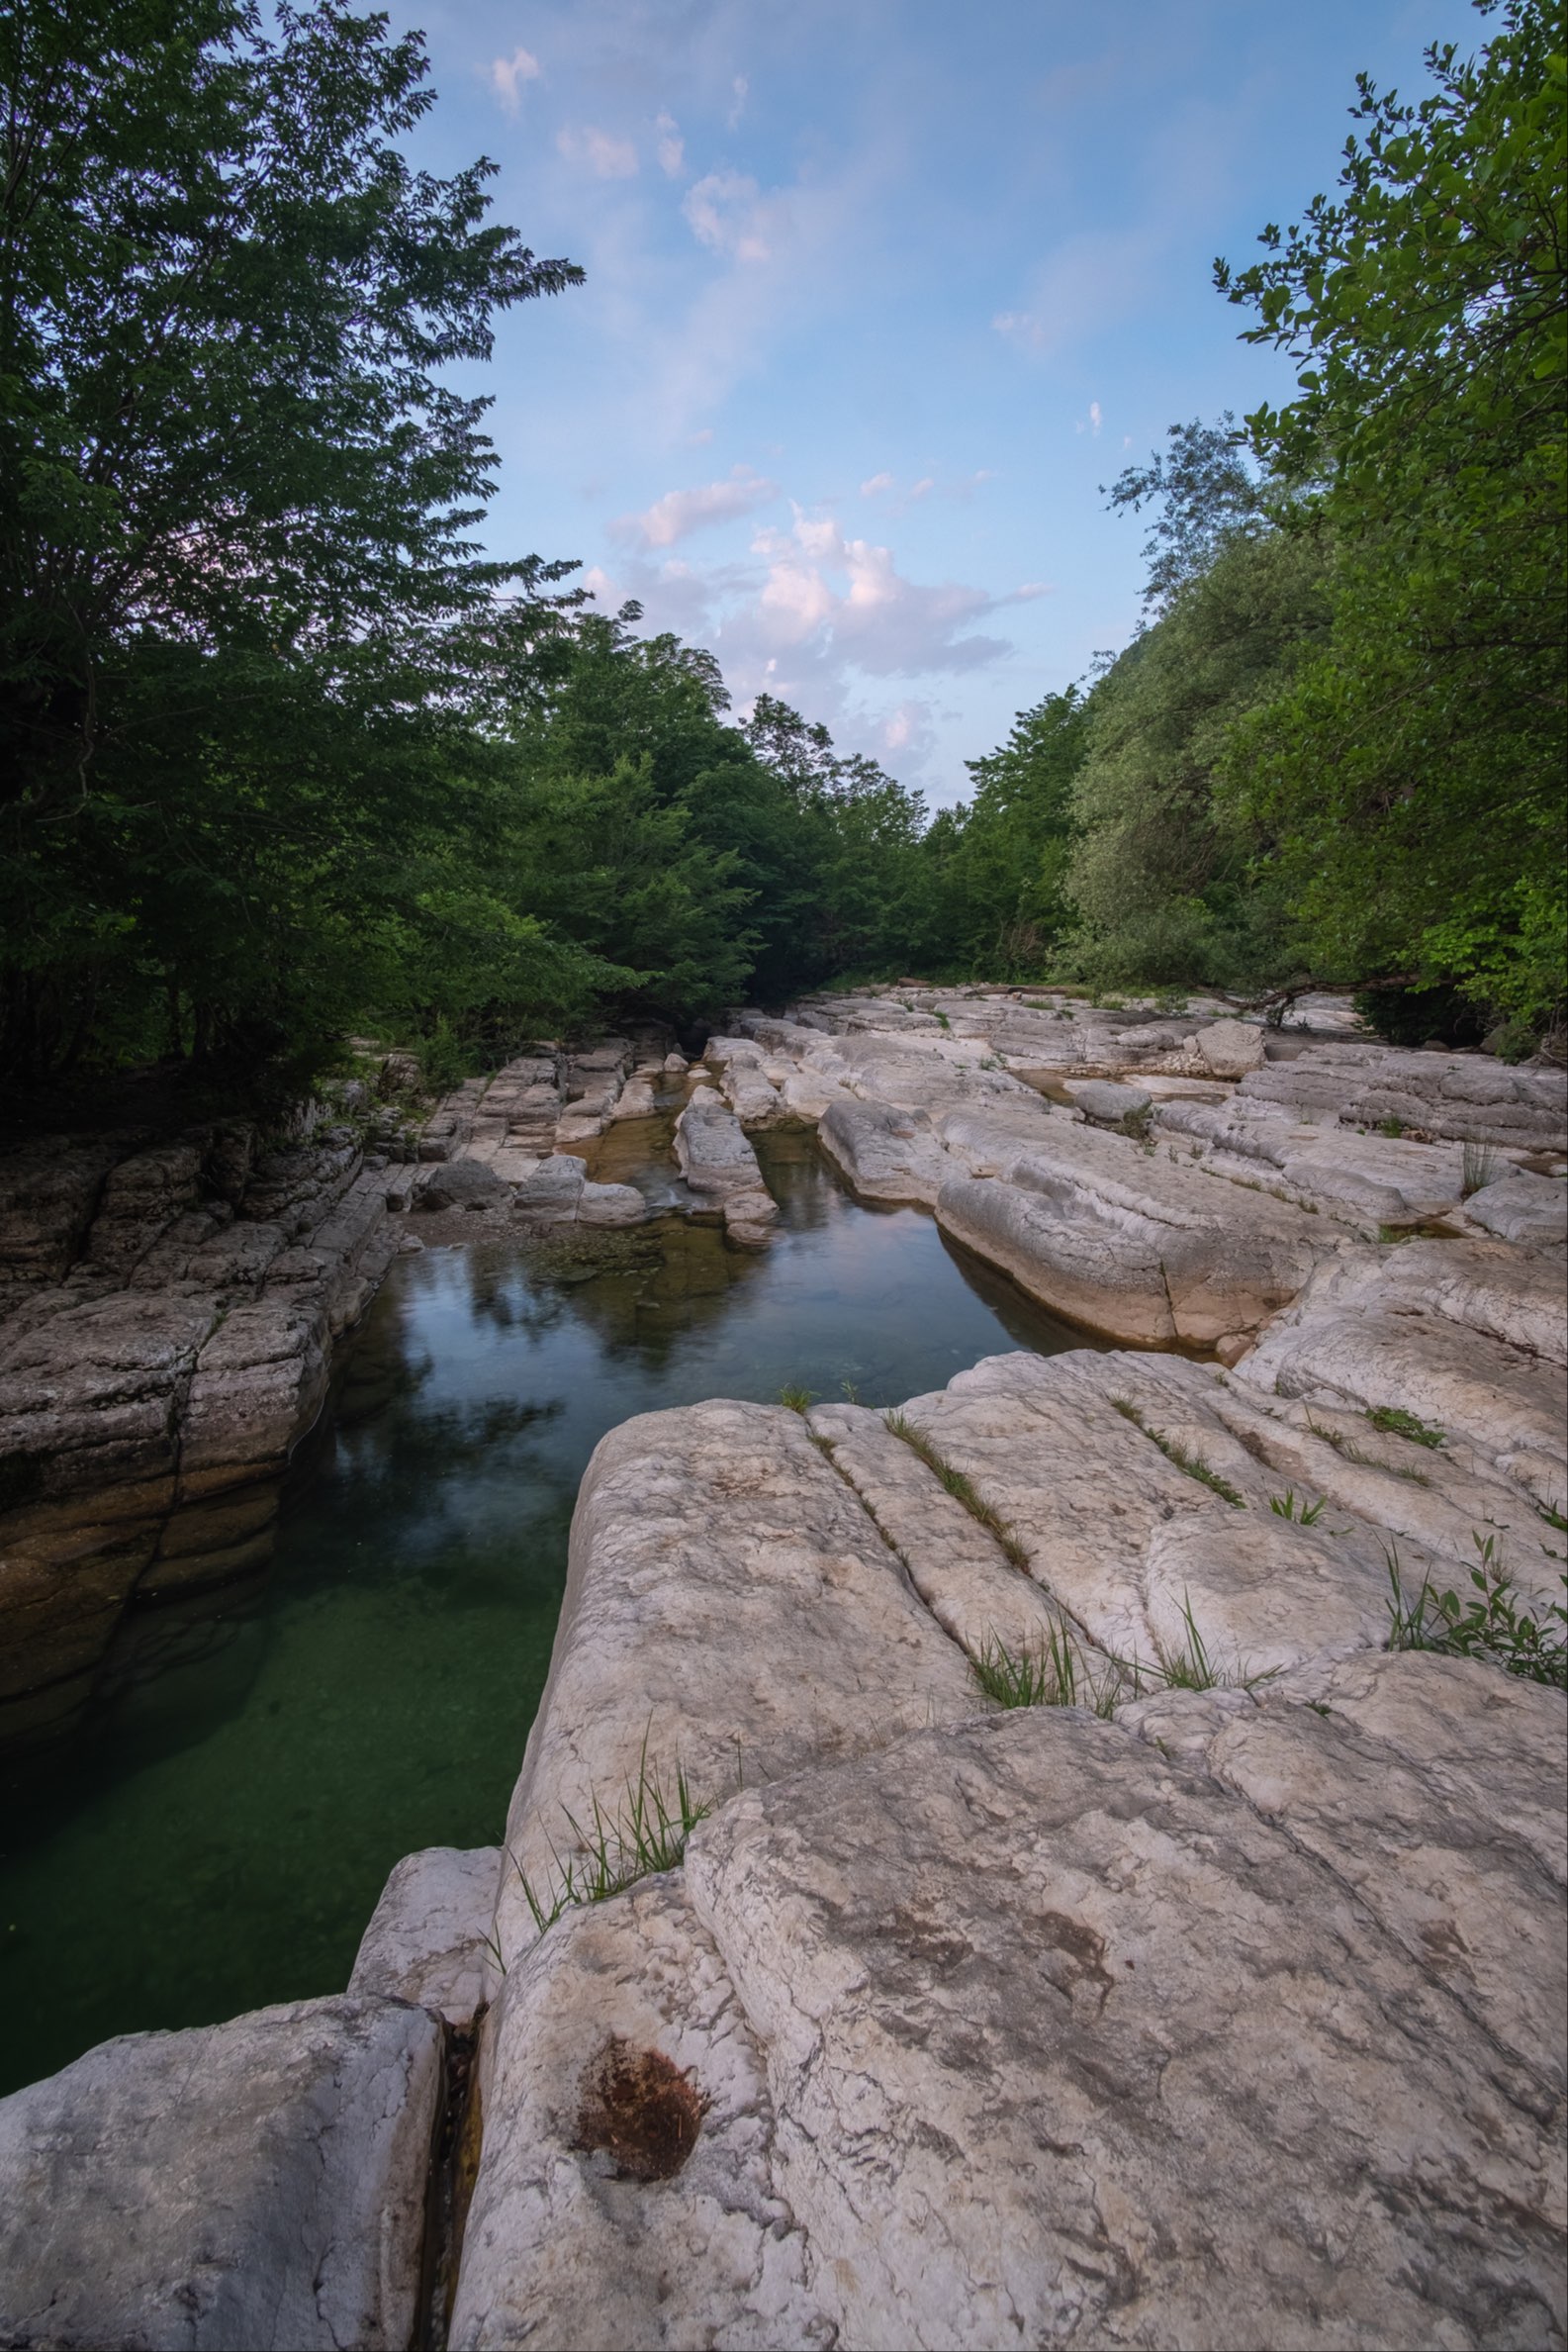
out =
column 1107, row 1104
column 675, row 1063
column 464, row 1184
column 1131, row 2065
column 1524, row 1208
column 886, row 1153
column 1433, row 1337
column 1231, row 1048
column 425, row 1942
column 635, row 1100
column 629, row 2197
column 1129, row 1245
column 716, row 1160
column 551, row 1194
column 48, row 1190
column 718, row 1534
column 255, row 2184
column 611, row 1204
column 1463, row 1097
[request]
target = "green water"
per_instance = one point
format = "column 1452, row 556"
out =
column 217, row 1836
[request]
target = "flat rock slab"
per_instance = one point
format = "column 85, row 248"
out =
column 1066, row 2045
column 732, row 1610
column 1523, row 1208
column 240, row 2186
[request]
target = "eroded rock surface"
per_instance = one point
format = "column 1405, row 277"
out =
column 256, row 2184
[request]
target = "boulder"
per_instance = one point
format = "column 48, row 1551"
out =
column 1231, row 1048
column 717, row 1161
column 1524, row 1208
column 551, row 1194
column 255, row 2184
column 464, row 1184
column 426, row 1938
column 1104, row 1103
column 611, row 1204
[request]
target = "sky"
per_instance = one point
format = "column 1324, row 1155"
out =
column 880, row 293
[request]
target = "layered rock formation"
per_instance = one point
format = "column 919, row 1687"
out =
column 1217, row 2002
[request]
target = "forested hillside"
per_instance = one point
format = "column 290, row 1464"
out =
column 286, row 755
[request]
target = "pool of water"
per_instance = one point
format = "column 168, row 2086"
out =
column 217, row 1836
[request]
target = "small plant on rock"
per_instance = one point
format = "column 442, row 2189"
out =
column 1482, row 1166
column 645, row 1835
column 961, row 1488
column 1397, row 1423
column 1193, row 1463
column 1284, row 1506
column 1493, row 1627
column 798, row 1400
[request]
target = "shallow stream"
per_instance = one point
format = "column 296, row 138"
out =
column 215, row 1837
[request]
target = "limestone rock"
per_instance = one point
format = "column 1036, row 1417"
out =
column 1065, row 2044
column 255, row 2184
column 888, row 1153
column 1461, row 1096
column 551, row 1194
column 1523, row 1208
column 717, row 1160
column 1129, row 1245
column 626, row 2196
column 425, row 1942
column 611, row 1204
column 1231, row 1048
column 1107, row 1104
column 730, row 1603
column 464, row 1184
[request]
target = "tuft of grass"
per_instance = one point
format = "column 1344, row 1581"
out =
column 1482, row 1166
column 1193, row 1463
column 941, row 1019
column 643, row 1835
column 1058, row 1675
column 960, row 1487
column 1397, row 1423
column 798, row 1400
column 1350, row 1452
column 1284, row 1506
column 1493, row 1627
column 1391, row 1127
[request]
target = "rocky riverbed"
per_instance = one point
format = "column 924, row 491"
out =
column 1219, row 2008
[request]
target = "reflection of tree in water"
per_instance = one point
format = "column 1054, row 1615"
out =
column 798, row 1178
column 690, row 1277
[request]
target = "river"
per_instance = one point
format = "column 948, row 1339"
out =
column 215, row 1838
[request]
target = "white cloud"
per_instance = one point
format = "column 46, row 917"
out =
column 740, row 88
column 607, row 157
column 1096, row 419
column 876, row 619
column 680, row 511
column 923, row 488
column 671, row 149
column 876, row 481
column 508, row 75
column 728, row 214
column 699, row 440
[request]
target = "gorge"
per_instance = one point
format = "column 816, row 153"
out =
column 1309, row 1351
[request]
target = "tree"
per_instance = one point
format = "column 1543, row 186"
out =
column 1205, row 494
column 1411, row 781
column 237, row 496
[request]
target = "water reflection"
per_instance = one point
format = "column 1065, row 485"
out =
column 218, row 1834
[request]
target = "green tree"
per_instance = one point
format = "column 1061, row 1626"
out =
column 236, row 501
column 1411, row 780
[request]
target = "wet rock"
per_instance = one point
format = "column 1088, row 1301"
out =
column 425, row 1942
column 464, row 1184
column 551, row 1194
column 611, row 1204
column 260, row 2183
column 717, row 1161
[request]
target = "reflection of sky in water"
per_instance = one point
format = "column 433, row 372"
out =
column 218, row 1839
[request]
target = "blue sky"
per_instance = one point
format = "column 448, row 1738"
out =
column 879, row 294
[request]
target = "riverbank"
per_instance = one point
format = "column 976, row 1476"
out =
column 1268, row 1928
